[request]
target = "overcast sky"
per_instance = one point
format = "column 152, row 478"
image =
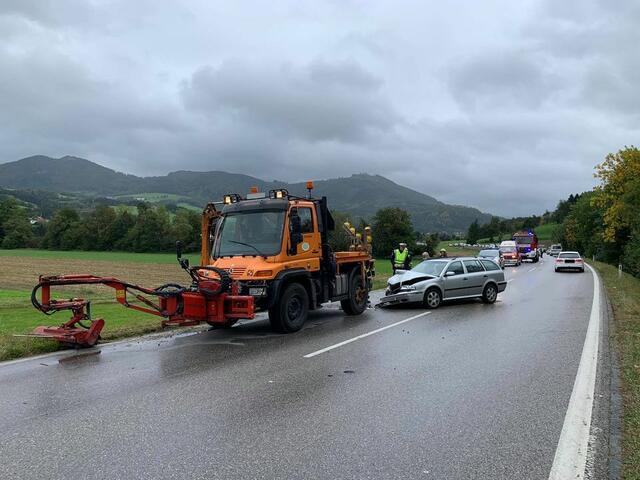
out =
column 503, row 105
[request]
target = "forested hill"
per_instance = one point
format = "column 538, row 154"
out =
column 360, row 195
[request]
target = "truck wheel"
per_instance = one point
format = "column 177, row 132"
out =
column 432, row 298
column 358, row 297
column 290, row 312
column 490, row 293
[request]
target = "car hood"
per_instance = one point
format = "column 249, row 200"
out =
column 409, row 277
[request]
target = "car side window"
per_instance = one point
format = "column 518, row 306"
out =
column 473, row 266
column 489, row 265
column 456, row 268
column 306, row 219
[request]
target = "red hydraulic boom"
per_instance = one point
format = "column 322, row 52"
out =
column 212, row 298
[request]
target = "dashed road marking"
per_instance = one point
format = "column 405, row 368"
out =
column 337, row 345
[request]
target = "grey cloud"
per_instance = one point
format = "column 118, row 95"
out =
column 320, row 101
column 502, row 80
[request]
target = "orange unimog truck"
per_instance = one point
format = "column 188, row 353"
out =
column 268, row 251
column 275, row 247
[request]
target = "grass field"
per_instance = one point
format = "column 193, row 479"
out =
column 19, row 270
column 624, row 295
column 161, row 258
column 544, row 233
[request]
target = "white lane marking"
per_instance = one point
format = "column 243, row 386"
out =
column 532, row 269
column 331, row 347
column 571, row 454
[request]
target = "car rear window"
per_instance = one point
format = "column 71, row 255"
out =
column 489, row 265
column 569, row 255
column 488, row 253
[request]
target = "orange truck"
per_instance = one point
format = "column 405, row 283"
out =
column 267, row 251
column 275, row 246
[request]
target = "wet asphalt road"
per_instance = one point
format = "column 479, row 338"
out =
column 466, row 391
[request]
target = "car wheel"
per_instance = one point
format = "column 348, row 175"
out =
column 358, row 297
column 290, row 312
column 432, row 298
column 490, row 293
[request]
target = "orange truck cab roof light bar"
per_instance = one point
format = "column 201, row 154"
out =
column 280, row 193
column 231, row 198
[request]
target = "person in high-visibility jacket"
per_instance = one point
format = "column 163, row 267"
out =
column 401, row 258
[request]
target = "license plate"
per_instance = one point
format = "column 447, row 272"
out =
column 569, row 261
column 257, row 291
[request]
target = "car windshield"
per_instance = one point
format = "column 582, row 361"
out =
column 569, row 255
column 250, row 233
column 527, row 240
column 507, row 249
column 430, row 267
column 488, row 253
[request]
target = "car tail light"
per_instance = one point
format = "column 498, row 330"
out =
column 559, row 260
column 578, row 260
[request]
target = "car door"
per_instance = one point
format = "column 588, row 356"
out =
column 476, row 275
column 456, row 282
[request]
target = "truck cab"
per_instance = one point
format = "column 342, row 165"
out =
column 275, row 248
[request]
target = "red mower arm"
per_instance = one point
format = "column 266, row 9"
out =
column 211, row 298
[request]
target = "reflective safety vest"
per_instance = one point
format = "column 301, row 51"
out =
column 400, row 257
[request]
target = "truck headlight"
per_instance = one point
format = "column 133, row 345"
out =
column 257, row 291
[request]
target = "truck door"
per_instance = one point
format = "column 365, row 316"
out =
column 310, row 246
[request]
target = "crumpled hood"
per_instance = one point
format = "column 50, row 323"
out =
column 410, row 275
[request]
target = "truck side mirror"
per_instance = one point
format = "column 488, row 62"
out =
column 184, row 262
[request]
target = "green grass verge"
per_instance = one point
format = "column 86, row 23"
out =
column 624, row 295
column 194, row 258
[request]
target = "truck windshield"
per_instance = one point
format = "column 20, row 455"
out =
column 250, row 233
column 524, row 240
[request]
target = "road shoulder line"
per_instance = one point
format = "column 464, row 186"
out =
column 378, row 330
column 571, row 453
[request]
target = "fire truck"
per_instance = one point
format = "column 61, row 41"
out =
column 527, row 245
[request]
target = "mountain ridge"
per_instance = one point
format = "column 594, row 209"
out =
column 359, row 195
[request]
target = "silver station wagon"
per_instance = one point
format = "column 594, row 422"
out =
column 436, row 280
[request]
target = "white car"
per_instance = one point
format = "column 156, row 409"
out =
column 569, row 261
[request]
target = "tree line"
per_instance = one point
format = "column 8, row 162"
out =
column 603, row 222
column 148, row 229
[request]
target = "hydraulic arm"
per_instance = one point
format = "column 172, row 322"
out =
column 212, row 297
